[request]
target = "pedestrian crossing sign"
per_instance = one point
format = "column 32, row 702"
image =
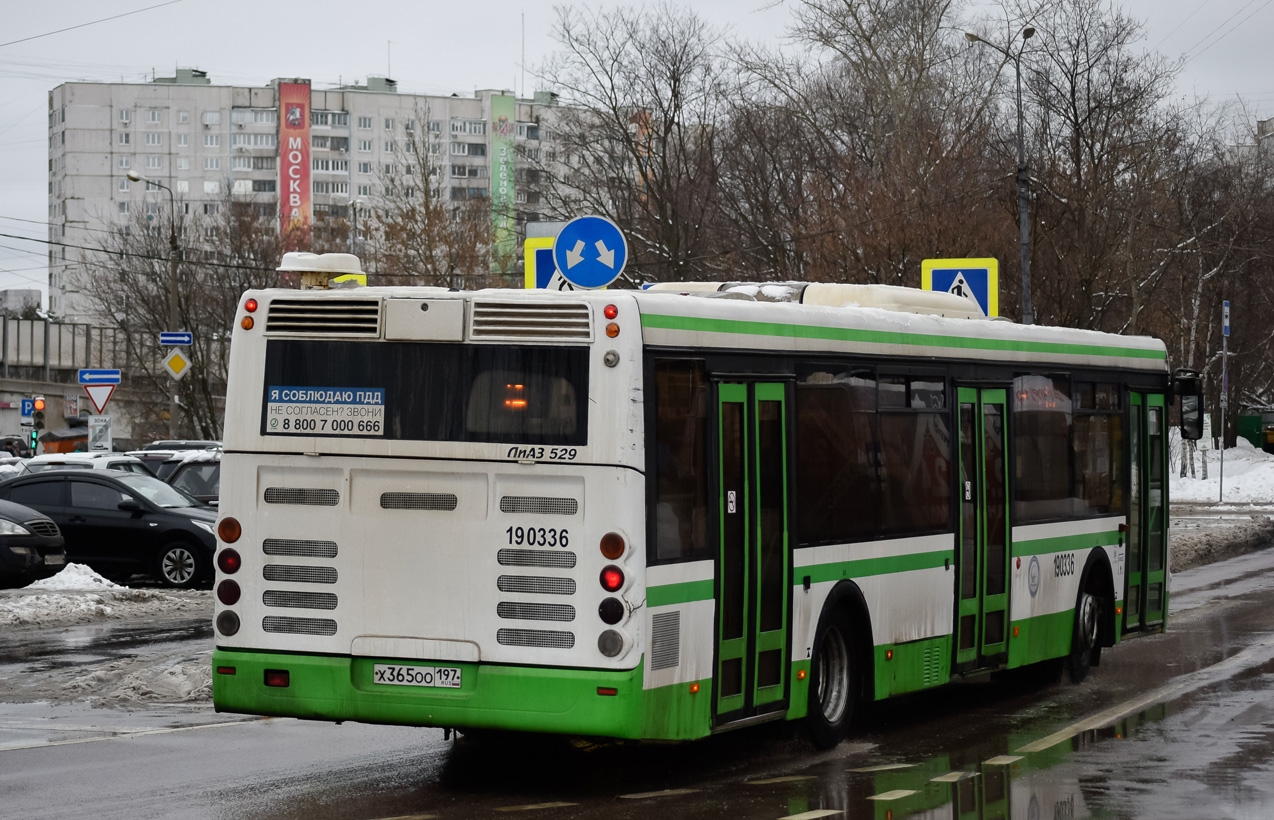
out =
column 977, row 280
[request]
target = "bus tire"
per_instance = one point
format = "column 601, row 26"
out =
column 835, row 679
column 1086, row 637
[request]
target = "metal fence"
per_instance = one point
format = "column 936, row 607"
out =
column 53, row 351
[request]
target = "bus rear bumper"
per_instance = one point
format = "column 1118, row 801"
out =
column 528, row 699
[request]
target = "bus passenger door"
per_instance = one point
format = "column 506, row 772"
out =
column 753, row 589
column 982, row 556
column 1146, row 588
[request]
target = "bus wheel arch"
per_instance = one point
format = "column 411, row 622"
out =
column 840, row 666
column 1094, row 623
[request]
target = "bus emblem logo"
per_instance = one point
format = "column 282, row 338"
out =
column 1033, row 575
column 731, row 502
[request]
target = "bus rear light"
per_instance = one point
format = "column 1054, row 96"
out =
column 228, row 561
column 694, row 688
column 246, row 323
column 226, row 670
column 612, row 545
column 277, row 677
column 228, row 592
column 612, row 578
column 610, row 311
column 610, row 643
column 250, row 306
column 612, row 330
column 608, row 691
column 228, row 530
column 228, row 623
column 611, row 611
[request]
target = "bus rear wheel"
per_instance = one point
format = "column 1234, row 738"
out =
column 833, row 692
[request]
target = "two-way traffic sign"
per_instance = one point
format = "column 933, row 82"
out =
column 590, row 252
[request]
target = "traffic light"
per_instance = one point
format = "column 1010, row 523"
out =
column 37, row 421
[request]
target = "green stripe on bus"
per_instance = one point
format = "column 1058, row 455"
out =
column 841, row 334
column 864, row 567
column 1066, row 543
column 669, row 594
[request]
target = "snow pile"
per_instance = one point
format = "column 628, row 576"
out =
column 1249, row 477
column 79, row 595
column 145, row 680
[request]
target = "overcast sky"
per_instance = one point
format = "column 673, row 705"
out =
column 429, row 46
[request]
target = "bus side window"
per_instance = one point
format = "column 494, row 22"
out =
column 681, row 460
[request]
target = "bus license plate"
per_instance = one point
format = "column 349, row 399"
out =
column 438, row 677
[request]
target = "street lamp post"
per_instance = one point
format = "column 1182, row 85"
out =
column 1023, row 179
column 174, row 255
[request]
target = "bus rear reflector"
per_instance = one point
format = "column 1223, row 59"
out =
column 276, row 677
column 226, row 670
column 228, row 623
column 612, row 330
column 246, row 323
column 228, row 530
column 607, row 690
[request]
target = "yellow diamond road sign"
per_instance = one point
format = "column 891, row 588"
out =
column 177, row 364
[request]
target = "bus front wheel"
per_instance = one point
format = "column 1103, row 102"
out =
column 834, row 681
column 1085, row 642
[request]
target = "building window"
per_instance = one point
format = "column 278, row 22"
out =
column 364, row 167
column 241, row 163
column 183, row 117
column 340, row 187
column 154, row 139
column 123, row 207
column 528, row 131
column 126, row 162
column 319, row 118
column 435, row 126
column 389, row 169
column 477, row 149
column 339, row 143
column 211, row 186
column 389, row 123
column 183, row 186
column 211, row 140
column 241, row 186
column 409, row 125
column 264, row 163
column 319, row 142
column 322, row 187
column 183, row 163
column 212, row 163
column 340, row 118
column 364, row 122
column 266, row 117
column 152, row 209
column 364, row 145
column 212, row 118
column 460, row 149
column 125, row 115
column 125, row 138
column 389, row 146
column 262, row 186
column 123, row 184
column 154, row 163
column 183, row 140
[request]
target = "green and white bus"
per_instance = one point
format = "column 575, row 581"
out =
column 667, row 513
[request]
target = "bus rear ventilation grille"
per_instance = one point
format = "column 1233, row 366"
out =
column 299, row 548
column 444, row 502
column 310, row 496
column 549, row 321
column 538, row 505
column 324, row 317
column 298, row 575
column 535, row 558
column 299, row 600
column 299, row 626
column 520, row 610
column 536, row 585
column 665, row 640
column 542, row 638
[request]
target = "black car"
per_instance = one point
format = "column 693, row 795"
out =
column 122, row 523
column 30, row 545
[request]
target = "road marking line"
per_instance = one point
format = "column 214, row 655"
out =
column 144, row 733
column 411, row 817
column 953, row 777
column 896, row 794
column 788, row 779
column 535, row 806
column 884, row 767
column 812, row 815
column 664, row 793
column 1002, row 760
column 1206, row 675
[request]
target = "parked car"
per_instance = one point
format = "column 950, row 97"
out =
column 84, row 461
column 122, row 523
column 196, row 473
column 31, row 545
column 182, row 444
column 155, row 460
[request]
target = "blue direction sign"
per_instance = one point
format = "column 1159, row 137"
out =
column 99, row 377
column 28, row 407
column 590, row 252
column 177, row 338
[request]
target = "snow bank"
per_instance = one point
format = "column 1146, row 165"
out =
column 79, row 595
column 75, row 576
column 1249, row 478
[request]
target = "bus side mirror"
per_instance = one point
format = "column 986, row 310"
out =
column 1188, row 386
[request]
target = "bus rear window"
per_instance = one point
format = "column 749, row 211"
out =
column 426, row 391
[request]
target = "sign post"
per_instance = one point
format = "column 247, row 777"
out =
column 1225, row 387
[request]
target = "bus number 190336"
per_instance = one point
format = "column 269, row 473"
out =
column 537, row 537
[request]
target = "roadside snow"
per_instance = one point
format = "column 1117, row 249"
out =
column 1249, row 478
column 78, row 595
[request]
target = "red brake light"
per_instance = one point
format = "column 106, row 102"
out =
column 229, row 561
column 277, row 677
column 612, row 578
column 610, row 311
column 228, row 592
column 250, row 306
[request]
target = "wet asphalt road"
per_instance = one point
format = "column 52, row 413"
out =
column 1170, row 726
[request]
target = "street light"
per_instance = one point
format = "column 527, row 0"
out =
column 1023, row 181
column 174, row 255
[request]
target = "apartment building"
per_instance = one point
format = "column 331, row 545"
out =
column 300, row 152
